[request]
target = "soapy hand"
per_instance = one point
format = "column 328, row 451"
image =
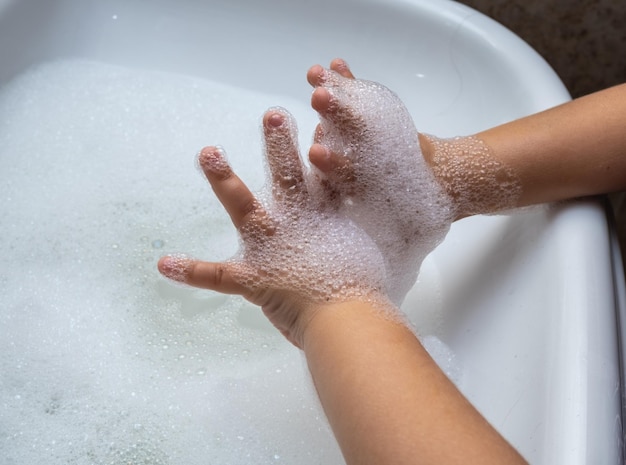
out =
column 368, row 155
column 297, row 250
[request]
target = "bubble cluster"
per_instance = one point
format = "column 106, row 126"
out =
column 472, row 176
column 322, row 257
column 393, row 194
column 293, row 239
column 103, row 362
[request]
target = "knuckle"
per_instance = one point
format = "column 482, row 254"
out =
column 249, row 213
column 217, row 277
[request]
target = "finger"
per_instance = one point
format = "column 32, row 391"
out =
column 341, row 67
column 316, row 75
column 334, row 105
column 320, row 157
column 336, row 166
column 283, row 156
column 321, row 100
column 205, row 275
column 240, row 204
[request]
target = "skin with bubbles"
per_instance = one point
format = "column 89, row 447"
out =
column 475, row 180
column 404, row 188
column 385, row 184
column 363, row 229
column 168, row 370
column 296, row 248
column 299, row 241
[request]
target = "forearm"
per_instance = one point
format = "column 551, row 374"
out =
column 573, row 150
column 386, row 399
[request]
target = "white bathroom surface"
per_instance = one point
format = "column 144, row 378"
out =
column 103, row 106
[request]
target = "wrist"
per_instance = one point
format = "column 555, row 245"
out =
column 341, row 319
column 471, row 175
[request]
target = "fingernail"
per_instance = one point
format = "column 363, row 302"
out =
column 342, row 64
column 275, row 120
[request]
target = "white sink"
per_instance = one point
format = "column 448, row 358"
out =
column 104, row 362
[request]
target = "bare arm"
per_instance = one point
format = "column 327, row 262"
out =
column 386, row 399
column 572, row 150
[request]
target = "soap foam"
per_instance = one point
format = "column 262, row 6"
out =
column 101, row 360
column 395, row 197
column 477, row 181
column 296, row 241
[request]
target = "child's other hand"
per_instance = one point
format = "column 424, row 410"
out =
column 368, row 154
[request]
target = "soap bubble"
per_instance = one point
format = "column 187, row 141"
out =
column 101, row 360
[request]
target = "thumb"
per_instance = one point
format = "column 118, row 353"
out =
column 216, row 276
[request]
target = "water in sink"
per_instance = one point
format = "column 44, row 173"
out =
column 102, row 360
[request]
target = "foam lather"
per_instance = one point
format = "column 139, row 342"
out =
column 393, row 193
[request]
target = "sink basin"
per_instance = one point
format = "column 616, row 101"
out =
column 102, row 108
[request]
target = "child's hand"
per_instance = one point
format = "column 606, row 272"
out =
column 296, row 251
column 368, row 153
